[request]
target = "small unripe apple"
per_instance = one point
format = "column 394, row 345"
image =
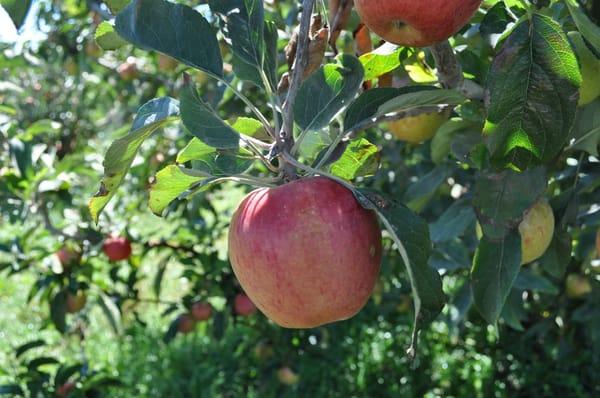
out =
column 65, row 389
column 287, row 376
column 307, row 253
column 416, row 129
column 263, row 350
column 536, row 230
column 128, row 70
column 577, row 286
column 414, row 23
column 166, row 63
column 243, row 306
column 75, row 302
column 201, row 311
column 117, row 248
column 185, row 324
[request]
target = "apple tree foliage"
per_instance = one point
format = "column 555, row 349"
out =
column 510, row 81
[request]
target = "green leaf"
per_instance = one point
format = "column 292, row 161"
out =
column 204, row 123
column 496, row 19
column 116, row 6
column 28, row 346
column 382, row 60
column 410, row 233
column 251, row 73
column 586, row 130
column 327, row 91
column 11, row 389
column 151, row 116
column 171, row 182
column 501, row 199
column 107, row 38
column 419, row 193
column 442, row 140
column 495, row 268
column 244, row 27
column 172, row 29
column 588, row 29
column 513, row 312
column 111, row 311
column 557, row 257
column 17, row 10
column 421, row 98
column 65, row 372
column 214, row 162
column 367, row 105
column 453, row 222
column 527, row 280
column 360, row 159
column 533, row 92
column 58, row 311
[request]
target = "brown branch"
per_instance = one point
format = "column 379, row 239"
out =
column 450, row 73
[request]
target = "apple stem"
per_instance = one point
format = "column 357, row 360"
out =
column 285, row 140
column 450, row 73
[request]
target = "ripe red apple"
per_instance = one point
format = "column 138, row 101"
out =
column 65, row 389
column 75, row 302
column 287, row 376
column 117, row 248
column 306, row 252
column 185, row 324
column 201, row 311
column 416, row 23
column 243, row 306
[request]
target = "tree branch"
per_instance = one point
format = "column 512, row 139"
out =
column 286, row 135
column 450, row 73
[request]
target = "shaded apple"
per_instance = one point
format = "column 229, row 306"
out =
column 536, row 230
column 242, row 305
column 416, row 23
column 577, row 286
column 75, row 302
column 416, row 129
column 68, row 256
column 166, row 63
column 185, row 324
column 117, row 248
column 201, row 311
column 65, row 389
column 306, row 252
column 128, row 70
column 287, row 376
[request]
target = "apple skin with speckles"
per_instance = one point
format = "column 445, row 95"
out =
column 414, row 23
column 306, row 252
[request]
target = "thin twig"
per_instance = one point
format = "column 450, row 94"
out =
column 450, row 73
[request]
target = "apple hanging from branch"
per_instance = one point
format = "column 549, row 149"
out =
column 416, row 23
column 117, row 248
column 306, row 252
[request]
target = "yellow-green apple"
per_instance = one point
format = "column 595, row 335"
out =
column 590, row 70
column 287, row 376
column 243, row 306
column 185, row 324
column 117, row 248
column 536, row 230
column 201, row 311
column 305, row 252
column 75, row 302
column 416, row 129
column 416, row 23
column 577, row 286
column 65, row 389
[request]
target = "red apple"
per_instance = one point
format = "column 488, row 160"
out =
column 117, row 248
column 201, row 311
column 65, row 389
column 306, row 252
column 128, row 70
column 243, row 305
column 416, row 23
column 75, row 302
column 185, row 324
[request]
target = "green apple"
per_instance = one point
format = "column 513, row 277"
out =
column 536, row 229
column 590, row 70
column 416, row 129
